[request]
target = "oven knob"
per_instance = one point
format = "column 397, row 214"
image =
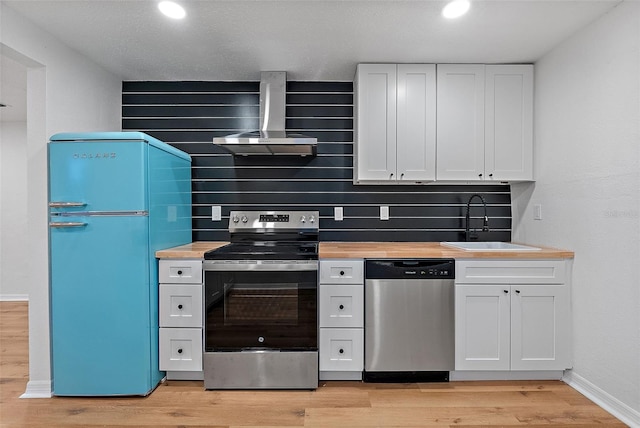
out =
column 261, row 339
column 312, row 219
column 235, row 219
column 303, row 219
column 244, row 219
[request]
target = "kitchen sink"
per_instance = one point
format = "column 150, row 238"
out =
column 489, row 246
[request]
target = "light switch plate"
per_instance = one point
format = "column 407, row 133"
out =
column 537, row 212
column 338, row 214
column 384, row 212
column 216, row 212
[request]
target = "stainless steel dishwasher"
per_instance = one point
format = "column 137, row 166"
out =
column 409, row 320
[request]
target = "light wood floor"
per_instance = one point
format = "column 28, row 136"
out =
column 333, row 404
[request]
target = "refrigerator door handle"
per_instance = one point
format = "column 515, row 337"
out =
column 60, row 225
column 67, row 204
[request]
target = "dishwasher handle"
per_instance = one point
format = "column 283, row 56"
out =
column 409, row 269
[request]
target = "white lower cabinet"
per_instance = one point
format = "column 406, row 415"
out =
column 502, row 325
column 180, row 316
column 341, row 349
column 341, row 319
column 180, row 349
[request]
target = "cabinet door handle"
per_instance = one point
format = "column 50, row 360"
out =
column 506, row 291
column 390, row 176
column 480, row 175
column 518, row 291
column 490, row 175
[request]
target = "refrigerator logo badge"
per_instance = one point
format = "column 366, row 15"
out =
column 94, row 156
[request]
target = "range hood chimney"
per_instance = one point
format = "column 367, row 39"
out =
column 272, row 138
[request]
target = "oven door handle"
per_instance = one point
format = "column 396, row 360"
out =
column 243, row 266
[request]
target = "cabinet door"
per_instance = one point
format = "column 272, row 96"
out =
column 540, row 334
column 375, row 124
column 180, row 349
column 482, row 327
column 341, row 305
column 416, row 122
column 509, row 122
column 180, row 305
column 460, row 122
column 341, row 349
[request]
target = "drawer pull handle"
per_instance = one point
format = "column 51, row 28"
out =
column 179, row 306
column 341, row 351
column 341, row 307
column 179, row 272
column 341, row 273
column 180, row 351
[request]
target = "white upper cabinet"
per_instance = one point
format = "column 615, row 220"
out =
column 508, row 139
column 485, row 119
column 395, row 123
column 460, row 122
column 416, row 122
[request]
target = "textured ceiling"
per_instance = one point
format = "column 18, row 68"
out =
column 310, row 39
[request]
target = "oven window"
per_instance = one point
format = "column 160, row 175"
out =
column 260, row 310
column 251, row 304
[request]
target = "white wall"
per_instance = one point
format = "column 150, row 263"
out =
column 13, row 215
column 587, row 136
column 66, row 92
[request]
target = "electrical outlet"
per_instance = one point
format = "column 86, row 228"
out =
column 216, row 212
column 537, row 212
column 338, row 214
column 384, row 212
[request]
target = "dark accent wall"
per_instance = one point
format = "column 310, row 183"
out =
column 188, row 115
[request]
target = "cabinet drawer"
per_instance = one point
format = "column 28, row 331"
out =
column 510, row 272
column 180, row 271
column 341, row 305
column 181, row 349
column 180, row 305
column 341, row 349
column 341, row 271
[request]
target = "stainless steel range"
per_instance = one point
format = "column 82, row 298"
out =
column 261, row 294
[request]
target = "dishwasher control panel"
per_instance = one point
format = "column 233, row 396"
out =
column 410, row 269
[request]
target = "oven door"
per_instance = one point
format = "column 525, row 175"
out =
column 260, row 306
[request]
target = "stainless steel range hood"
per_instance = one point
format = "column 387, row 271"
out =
column 272, row 138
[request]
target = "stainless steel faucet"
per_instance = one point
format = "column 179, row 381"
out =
column 485, row 223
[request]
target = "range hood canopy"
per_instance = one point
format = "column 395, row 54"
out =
column 272, row 138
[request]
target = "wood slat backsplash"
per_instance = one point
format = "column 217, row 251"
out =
column 188, row 115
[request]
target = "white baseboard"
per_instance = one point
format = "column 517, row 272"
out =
column 38, row 389
column 14, row 297
column 464, row 375
column 339, row 375
column 603, row 399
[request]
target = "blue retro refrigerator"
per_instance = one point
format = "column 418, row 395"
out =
column 114, row 199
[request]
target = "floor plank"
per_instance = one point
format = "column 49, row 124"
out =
column 333, row 404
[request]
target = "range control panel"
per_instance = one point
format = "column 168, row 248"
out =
column 410, row 269
column 270, row 220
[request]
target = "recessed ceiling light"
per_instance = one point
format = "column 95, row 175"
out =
column 456, row 8
column 171, row 9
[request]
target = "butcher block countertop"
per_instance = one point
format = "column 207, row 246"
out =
column 195, row 250
column 406, row 250
column 382, row 250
